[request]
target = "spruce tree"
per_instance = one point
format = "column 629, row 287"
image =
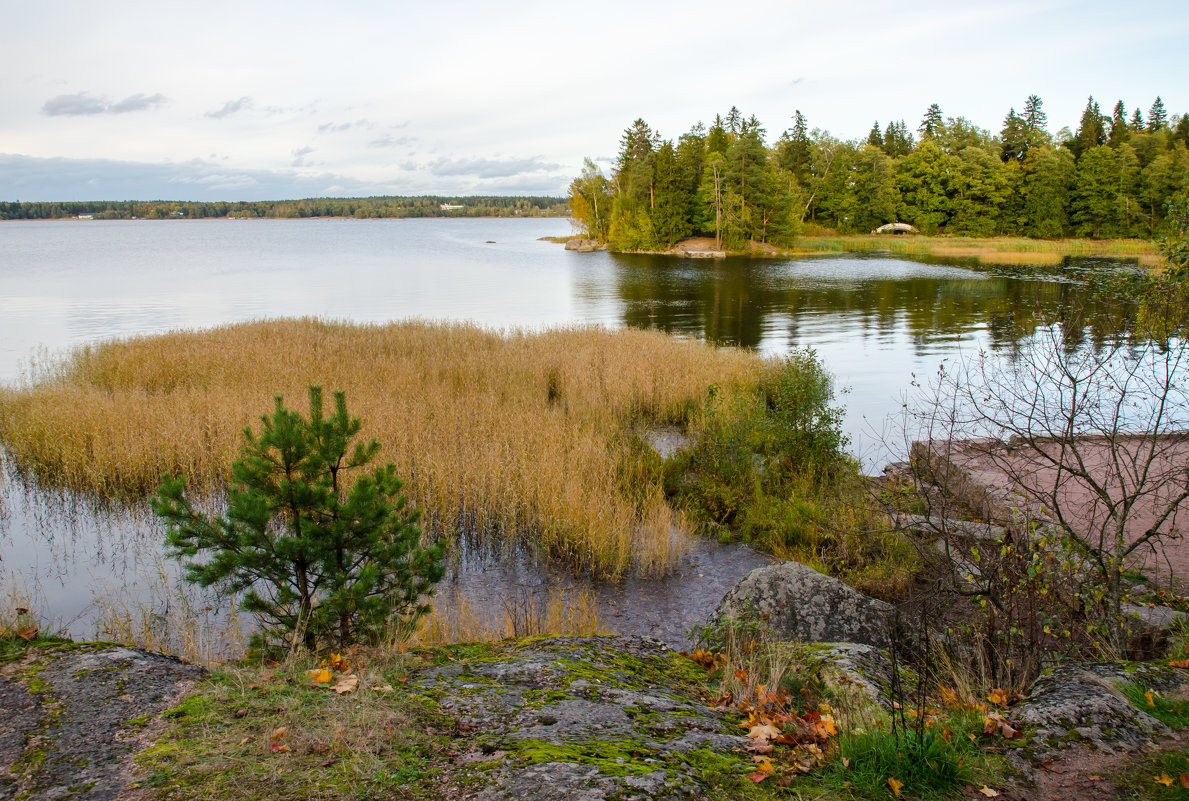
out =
column 1157, row 118
column 932, row 123
column 875, row 138
column 1034, row 115
column 1013, row 137
column 1119, row 130
column 1137, row 121
column 322, row 550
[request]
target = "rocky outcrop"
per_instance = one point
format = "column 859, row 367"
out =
column 797, row 603
column 1085, row 703
column 584, row 718
column 71, row 717
column 1148, row 629
column 582, row 245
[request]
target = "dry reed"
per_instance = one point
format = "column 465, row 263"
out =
column 516, row 434
column 456, row 618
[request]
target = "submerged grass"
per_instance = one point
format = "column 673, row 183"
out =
column 524, row 434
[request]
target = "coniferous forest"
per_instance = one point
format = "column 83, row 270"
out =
column 1111, row 177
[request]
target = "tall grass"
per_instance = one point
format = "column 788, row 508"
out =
column 513, row 434
column 988, row 250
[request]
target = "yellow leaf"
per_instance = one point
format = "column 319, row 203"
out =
column 895, row 785
column 319, row 675
column 988, row 792
column 845, row 762
column 764, row 732
column 1164, row 779
column 346, row 684
column 279, row 733
column 997, row 697
column 1151, row 700
column 827, row 723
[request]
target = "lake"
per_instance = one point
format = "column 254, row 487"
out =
column 876, row 321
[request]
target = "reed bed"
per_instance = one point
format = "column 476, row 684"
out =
column 456, row 618
column 1016, row 251
column 510, row 434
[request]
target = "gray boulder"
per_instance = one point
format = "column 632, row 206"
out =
column 582, row 245
column 1149, row 628
column 797, row 603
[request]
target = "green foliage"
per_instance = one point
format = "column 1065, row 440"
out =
column 1176, row 244
column 317, row 556
column 1173, row 713
column 928, row 765
column 958, row 179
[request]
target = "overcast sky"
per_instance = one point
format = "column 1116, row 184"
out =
column 268, row 100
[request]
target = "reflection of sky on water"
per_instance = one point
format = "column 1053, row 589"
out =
column 875, row 321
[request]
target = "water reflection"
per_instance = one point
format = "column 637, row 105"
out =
column 760, row 303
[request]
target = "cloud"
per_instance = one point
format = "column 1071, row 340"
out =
column 392, row 141
column 138, row 102
column 299, row 156
column 331, row 127
column 59, row 179
column 83, row 104
column 489, row 168
column 230, row 107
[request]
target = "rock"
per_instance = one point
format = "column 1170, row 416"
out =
column 72, row 715
column 581, row 245
column 593, row 718
column 1148, row 629
column 1083, row 703
column 797, row 603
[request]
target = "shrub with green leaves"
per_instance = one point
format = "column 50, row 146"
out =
column 323, row 550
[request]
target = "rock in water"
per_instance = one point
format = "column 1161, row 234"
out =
column 798, row 603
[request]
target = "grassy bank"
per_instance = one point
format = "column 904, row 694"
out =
column 1011, row 251
column 522, row 434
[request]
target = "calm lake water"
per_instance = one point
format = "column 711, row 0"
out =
column 876, row 321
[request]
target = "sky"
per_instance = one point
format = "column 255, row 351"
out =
column 265, row 100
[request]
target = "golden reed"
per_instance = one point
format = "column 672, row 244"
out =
column 514, row 434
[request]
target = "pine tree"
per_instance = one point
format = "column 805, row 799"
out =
column 670, row 217
column 734, row 121
column 317, row 556
column 1137, row 121
column 1157, row 118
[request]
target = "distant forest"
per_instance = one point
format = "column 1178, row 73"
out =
column 1112, row 177
column 356, row 207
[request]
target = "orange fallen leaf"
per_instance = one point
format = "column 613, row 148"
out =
column 1185, row 780
column 998, row 697
column 279, row 733
column 319, row 675
column 895, row 785
column 1164, row 779
column 27, row 633
column 346, row 684
column 1151, row 700
column 845, row 762
column 741, row 675
column 1179, row 663
column 763, row 770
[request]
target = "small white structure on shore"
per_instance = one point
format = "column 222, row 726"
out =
column 896, row 228
column 451, row 207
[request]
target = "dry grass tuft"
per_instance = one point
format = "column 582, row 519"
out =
column 457, row 619
column 516, row 434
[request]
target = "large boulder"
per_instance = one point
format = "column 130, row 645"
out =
column 797, row 603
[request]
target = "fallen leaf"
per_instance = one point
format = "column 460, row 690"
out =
column 895, row 785
column 279, row 733
column 280, row 747
column 27, row 632
column 845, row 762
column 988, row 792
column 741, row 675
column 244, row 741
column 998, row 697
column 1151, row 700
column 319, row 675
column 346, row 684
column 764, row 732
column 1179, row 663
column 381, row 688
column 1185, row 780
column 241, row 713
column 1164, row 779
column 763, row 770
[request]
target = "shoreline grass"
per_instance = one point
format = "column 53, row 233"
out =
column 512, row 434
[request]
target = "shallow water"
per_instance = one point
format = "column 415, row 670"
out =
column 878, row 323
